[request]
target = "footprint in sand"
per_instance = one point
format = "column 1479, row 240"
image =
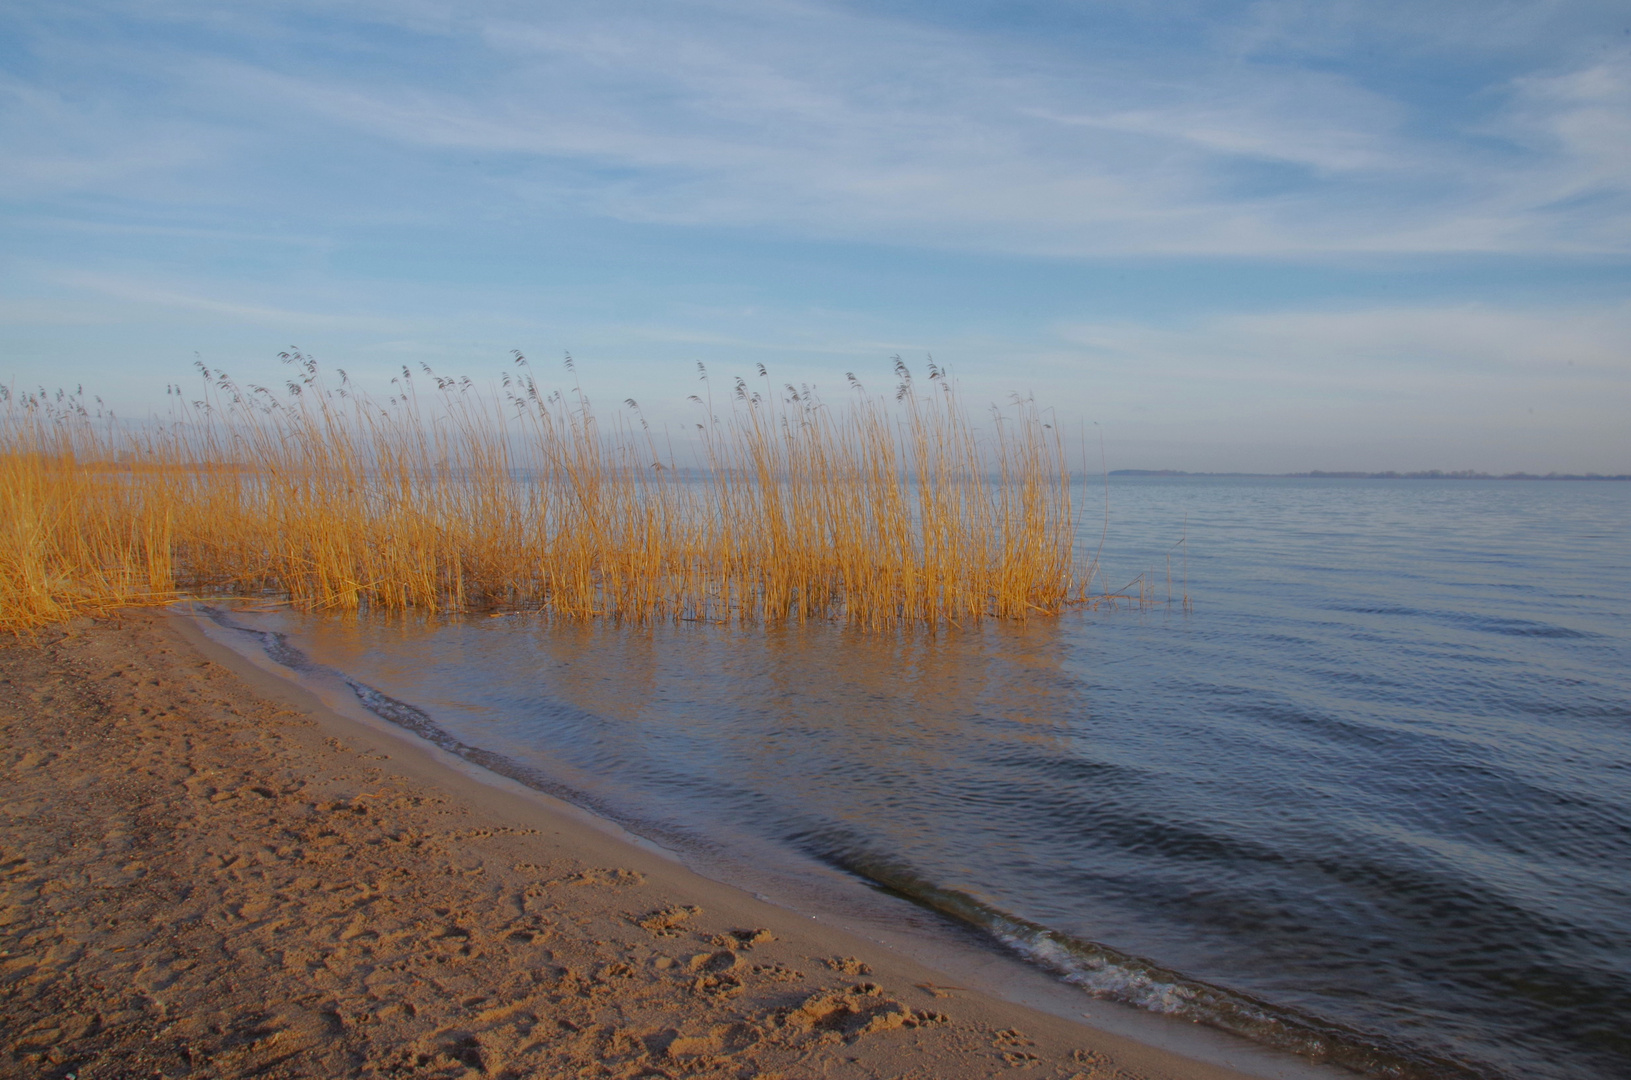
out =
column 847, row 965
column 744, row 940
column 666, row 922
column 715, row 962
column 603, row 876
column 861, row 1010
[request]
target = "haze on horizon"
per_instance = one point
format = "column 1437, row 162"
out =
column 1264, row 237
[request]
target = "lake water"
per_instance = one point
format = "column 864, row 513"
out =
column 1368, row 800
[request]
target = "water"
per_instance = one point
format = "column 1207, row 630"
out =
column 1369, row 801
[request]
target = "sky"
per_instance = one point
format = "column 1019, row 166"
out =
column 1274, row 236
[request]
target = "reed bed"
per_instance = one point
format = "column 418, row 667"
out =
column 443, row 497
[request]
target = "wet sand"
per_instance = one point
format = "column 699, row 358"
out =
column 206, row 873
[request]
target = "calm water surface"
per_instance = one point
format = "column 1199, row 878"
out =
column 1370, row 799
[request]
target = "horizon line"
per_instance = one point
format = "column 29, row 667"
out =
column 1426, row 474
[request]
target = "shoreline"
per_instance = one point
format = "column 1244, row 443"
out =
column 967, row 953
column 209, row 872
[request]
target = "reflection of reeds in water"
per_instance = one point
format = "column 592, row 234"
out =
column 462, row 501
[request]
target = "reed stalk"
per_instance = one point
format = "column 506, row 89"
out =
column 876, row 513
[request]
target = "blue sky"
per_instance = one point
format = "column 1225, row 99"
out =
column 1269, row 236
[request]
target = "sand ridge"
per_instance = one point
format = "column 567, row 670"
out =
column 199, row 880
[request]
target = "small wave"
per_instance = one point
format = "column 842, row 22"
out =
column 1489, row 624
column 1524, row 628
column 1108, row 973
column 1375, row 609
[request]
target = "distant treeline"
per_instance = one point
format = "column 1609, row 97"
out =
column 1430, row 474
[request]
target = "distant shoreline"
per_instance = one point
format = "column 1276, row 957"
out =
column 1430, row 474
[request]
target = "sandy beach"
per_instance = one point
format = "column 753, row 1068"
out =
column 208, row 874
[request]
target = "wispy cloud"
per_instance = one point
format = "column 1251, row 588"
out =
column 1375, row 346
column 175, row 298
column 821, row 121
column 58, row 145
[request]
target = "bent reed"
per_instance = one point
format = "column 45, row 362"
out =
column 460, row 500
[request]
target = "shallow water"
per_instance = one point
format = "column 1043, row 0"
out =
column 1369, row 800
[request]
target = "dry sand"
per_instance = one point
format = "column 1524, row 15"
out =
column 204, row 873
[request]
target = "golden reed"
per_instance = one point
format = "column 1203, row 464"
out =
column 459, row 501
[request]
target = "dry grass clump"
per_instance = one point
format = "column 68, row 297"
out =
column 460, row 500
